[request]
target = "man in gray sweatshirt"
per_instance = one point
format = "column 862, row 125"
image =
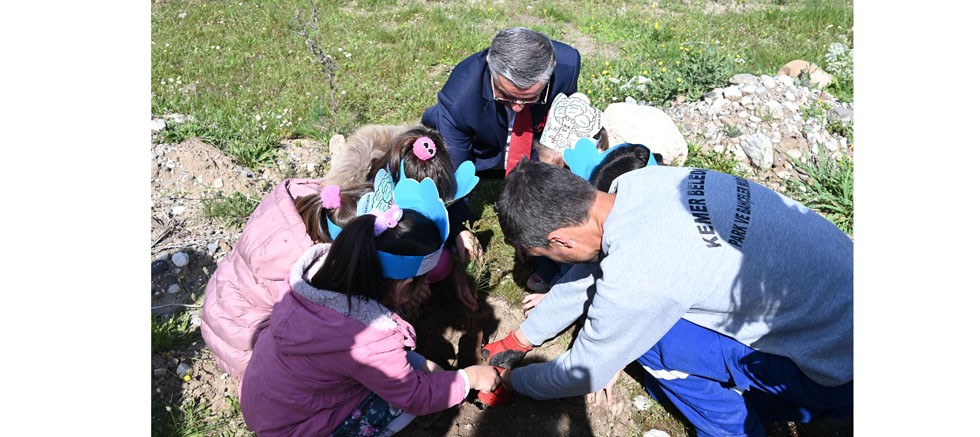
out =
column 736, row 300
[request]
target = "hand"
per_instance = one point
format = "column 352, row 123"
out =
column 420, row 296
column 500, row 395
column 468, row 247
column 483, row 378
column 532, row 300
column 464, row 293
column 604, row 396
column 507, row 352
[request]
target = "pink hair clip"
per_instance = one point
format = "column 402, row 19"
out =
column 387, row 219
column 330, row 196
column 424, row 148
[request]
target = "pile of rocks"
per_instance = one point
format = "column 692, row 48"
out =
column 761, row 119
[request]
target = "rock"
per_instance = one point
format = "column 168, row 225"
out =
column 795, row 154
column 647, row 125
column 841, row 114
column 656, row 433
column 796, row 68
column 157, row 125
column 173, row 289
column 759, row 150
column 336, row 143
column 212, row 247
column 732, row 93
column 183, row 369
column 218, row 183
column 642, row 403
column 178, row 209
column 157, row 267
column 743, row 78
column 784, row 80
column 774, row 109
column 717, row 106
column 768, row 82
column 180, row 259
column 159, row 372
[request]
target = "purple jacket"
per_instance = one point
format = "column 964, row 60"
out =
column 315, row 363
column 249, row 280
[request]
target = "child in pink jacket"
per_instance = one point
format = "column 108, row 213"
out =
column 249, row 280
column 336, row 357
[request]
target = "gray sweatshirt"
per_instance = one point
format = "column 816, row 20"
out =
column 720, row 251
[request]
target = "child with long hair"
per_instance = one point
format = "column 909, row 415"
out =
column 417, row 152
column 247, row 282
column 336, row 358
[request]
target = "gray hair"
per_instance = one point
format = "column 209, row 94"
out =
column 522, row 56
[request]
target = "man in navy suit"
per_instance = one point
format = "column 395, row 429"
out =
column 484, row 106
column 522, row 70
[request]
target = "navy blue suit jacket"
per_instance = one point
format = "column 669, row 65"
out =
column 473, row 125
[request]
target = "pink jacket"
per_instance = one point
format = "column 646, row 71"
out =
column 249, row 280
column 315, row 363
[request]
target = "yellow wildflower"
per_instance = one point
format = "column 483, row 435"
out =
column 656, row 25
column 660, row 62
column 645, row 72
column 663, row 69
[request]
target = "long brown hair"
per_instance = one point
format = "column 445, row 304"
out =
column 439, row 167
column 314, row 215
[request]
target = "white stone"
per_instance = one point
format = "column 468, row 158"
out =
column 790, row 96
column 183, row 369
column 747, row 89
column 755, row 119
column 759, row 150
column 795, row 154
column 180, row 259
column 173, row 289
column 656, row 433
column 311, row 167
column 157, row 124
column 642, row 403
column 768, row 82
column 791, row 107
column 218, row 183
column 648, row 125
column 718, row 106
column 732, row 93
column 178, row 209
column 784, row 80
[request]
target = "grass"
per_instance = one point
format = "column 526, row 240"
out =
column 828, row 188
column 234, row 209
column 172, row 332
column 246, row 79
column 711, row 160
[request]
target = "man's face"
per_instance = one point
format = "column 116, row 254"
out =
column 505, row 92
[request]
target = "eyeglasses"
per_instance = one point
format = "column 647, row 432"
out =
column 541, row 100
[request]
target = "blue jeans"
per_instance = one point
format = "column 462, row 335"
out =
column 726, row 388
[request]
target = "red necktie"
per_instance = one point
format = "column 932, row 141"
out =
column 520, row 139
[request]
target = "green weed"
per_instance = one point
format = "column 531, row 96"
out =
column 711, row 160
column 172, row 332
column 828, row 188
column 233, row 210
column 816, row 111
column 842, row 128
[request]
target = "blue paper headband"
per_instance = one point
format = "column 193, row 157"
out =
column 421, row 197
column 466, row 179
column 380, row 199
column 585, row 157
